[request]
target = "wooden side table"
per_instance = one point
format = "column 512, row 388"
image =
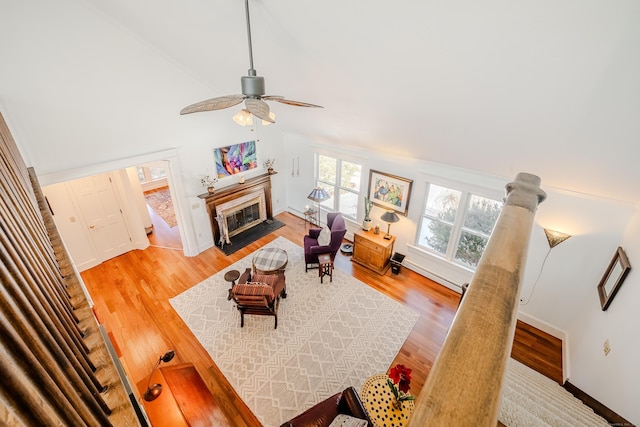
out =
column 378, row 399
column 310, row 217
column 325, row 267
column 372, row 250
column 231, row 276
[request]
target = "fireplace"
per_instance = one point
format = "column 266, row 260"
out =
column 241, row 213
column 242, row 219
column 239, row 207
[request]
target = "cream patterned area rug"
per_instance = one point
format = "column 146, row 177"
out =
column 529, row 399
column 330, row 336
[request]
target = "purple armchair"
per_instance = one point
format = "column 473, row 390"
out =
column 312, row 248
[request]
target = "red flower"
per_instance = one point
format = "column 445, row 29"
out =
column 401, row 376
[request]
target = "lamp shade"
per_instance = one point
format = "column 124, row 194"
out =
column 555, row 237
column 272, row 116
column 390, row 216
column 168, row 356
column 243, row 118
column 318, row 195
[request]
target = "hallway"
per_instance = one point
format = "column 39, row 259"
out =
column 163, row 235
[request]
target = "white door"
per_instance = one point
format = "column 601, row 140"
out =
column 102, row 215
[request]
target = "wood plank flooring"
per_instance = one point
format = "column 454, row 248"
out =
column 131, row 294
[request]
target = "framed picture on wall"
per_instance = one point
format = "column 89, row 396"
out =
column 390, row 191
column 613, row 277
column 235, row 159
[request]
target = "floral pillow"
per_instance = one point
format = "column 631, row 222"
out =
column 344, row 420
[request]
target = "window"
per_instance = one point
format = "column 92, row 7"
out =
column 150, row 173
column 341, row 179
column 457, row 224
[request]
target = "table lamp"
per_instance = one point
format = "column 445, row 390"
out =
column 389, row 217
column 318, row 195
column 153, row 391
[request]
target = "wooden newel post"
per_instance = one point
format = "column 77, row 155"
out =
column 464, row 385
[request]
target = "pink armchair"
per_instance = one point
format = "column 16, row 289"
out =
column 312, row 248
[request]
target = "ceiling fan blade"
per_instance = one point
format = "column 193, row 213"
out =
column 290, row 102
column 218, row 103
column 258, row 108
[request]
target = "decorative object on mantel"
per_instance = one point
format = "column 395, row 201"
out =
column 554, row 238
column 269, row 165
column 389, row 217
column 613, row 277
column 318, row 195
column 368, row 204
column 208, row 181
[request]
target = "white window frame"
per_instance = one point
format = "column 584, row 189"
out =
column 337, row 187
column 457, row 227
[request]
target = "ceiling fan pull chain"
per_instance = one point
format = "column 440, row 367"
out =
column 252, row 71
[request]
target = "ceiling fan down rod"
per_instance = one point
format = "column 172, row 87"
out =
column 252, row 71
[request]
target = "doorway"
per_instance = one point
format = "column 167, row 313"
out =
column 127, row 166
column 163, row 230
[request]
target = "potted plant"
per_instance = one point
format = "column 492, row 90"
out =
column 398, row 381
column 366, row 224
column 208, row 181
column 269, row 165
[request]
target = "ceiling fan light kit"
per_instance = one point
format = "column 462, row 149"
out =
column 243, row 118
column 253, row 95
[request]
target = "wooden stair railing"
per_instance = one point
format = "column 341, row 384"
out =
column 465, row 382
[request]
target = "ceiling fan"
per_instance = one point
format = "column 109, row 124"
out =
column 253, row 92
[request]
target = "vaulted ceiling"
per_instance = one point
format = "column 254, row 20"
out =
column 550, row 87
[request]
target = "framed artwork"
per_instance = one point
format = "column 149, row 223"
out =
column 389, row 191
column 235, row 158
column 613, row 277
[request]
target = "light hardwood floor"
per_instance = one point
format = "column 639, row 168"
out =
column 131, row 294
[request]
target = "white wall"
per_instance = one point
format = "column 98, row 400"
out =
column 611, row 379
